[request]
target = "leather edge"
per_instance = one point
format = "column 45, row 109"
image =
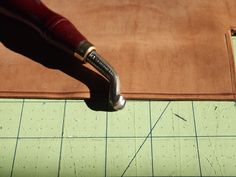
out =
column 131, row 96
column 231, row 56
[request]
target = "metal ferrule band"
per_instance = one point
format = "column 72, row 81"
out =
column 83, row 50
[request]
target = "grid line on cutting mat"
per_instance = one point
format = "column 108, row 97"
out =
column 17, row 138
column 197, row 143
column 62, row 133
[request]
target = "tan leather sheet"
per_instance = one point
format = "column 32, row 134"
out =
column 162, row 49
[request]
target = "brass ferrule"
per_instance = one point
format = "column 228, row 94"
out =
column 86, row 53
column 82, row 51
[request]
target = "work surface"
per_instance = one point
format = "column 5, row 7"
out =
column 51, row 138
column 65, row 138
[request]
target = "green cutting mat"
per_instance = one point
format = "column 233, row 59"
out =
column 64, row 138
column 47, row 138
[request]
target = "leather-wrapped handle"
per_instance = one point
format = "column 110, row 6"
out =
column 51, row 25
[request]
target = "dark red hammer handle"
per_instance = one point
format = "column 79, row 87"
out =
column 51, row 25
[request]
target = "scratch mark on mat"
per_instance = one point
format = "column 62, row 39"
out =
column 211, row 165
column 180, row 117
column 75, row 170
